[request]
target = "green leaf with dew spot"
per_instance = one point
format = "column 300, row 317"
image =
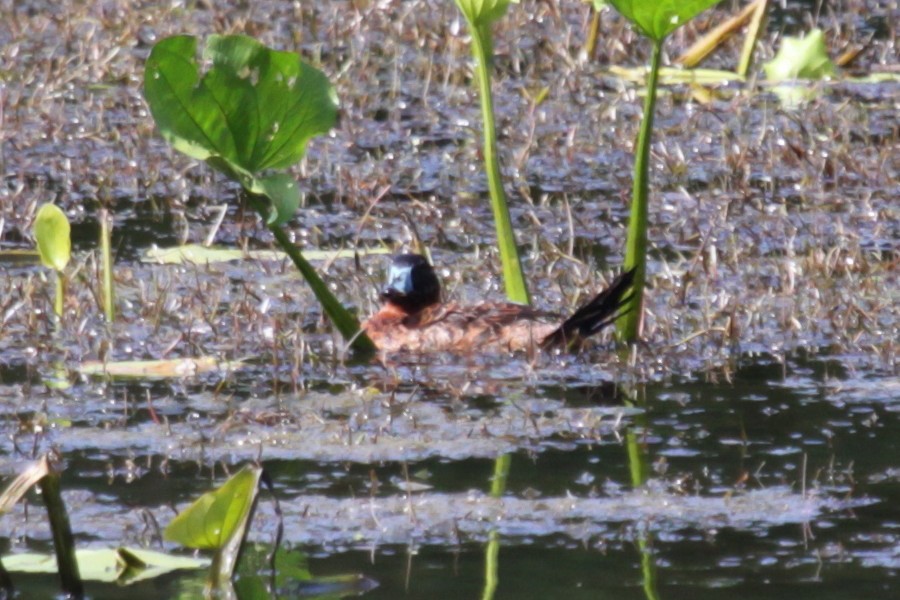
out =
column 658, row 18
column 53, row 235
column 254, row 108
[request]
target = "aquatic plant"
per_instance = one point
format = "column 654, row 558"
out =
column 118, row 565
column 480, row 15
column 106, row 266
column 250, row 116
column 52, row 233
column 218, row 521
column 655, row 20
column 801, row 58
column 42, row 473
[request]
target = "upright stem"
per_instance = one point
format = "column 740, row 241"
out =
column 340, row 316
column 492, row 549
column 63, row 540
column 513, row 279
column 501, row 475
column 106, row 266
column 638, row 464
column 629, row 326
column 60, row 299
column 346, row 324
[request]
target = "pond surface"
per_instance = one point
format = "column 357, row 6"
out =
column 761, row 412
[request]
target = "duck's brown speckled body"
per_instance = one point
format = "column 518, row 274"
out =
column 413, row 318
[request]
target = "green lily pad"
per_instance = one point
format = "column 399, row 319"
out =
column 109, row 565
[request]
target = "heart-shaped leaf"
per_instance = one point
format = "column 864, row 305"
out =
column 254, row 109
column 658, row 18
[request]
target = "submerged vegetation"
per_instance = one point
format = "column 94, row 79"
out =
column 760, row 406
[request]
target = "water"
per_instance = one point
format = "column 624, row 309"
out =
column 762, row 408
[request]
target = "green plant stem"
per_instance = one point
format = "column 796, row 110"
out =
column 513, row 278
column 60, row 298
column 491, row 565
column 639, row 467
column 501, row 474
column 492, row 549
column 638, row 463
column 637, row 459
column 106, row 265
column 629, row 326
column 648, row 565
column 346, row 324
column 63, row 540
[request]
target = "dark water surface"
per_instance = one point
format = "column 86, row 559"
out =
column 762, row 408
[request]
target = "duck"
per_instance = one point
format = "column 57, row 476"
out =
column 413, row 319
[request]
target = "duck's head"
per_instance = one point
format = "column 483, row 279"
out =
column 412, row 284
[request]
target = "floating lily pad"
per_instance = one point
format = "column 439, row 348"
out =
column 201, row 255
column 153, row 369
column 669, row 75
column 109, row 565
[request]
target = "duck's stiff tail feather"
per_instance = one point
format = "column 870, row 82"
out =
column 602, row 310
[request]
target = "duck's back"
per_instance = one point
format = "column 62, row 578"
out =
column 497, row 326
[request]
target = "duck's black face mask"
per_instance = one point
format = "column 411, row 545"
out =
column 412, row 284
